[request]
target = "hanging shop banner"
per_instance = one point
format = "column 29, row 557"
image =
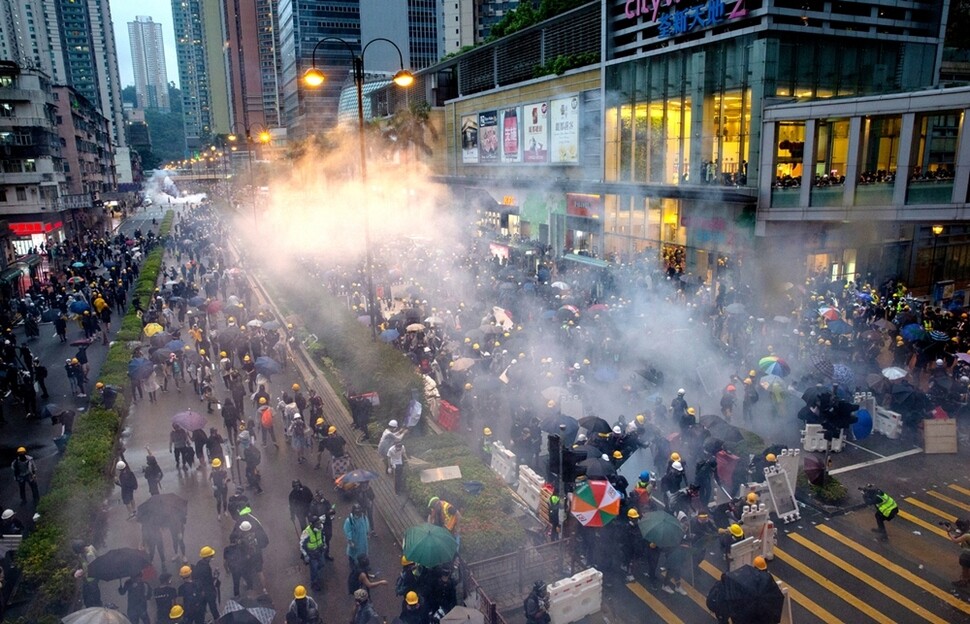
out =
column 586, row 206
column 536, row 139
column 564, row 140
column 469, row 139
column 488, row 142
column 510, row 136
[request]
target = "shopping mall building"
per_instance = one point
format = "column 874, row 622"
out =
column 812, row 135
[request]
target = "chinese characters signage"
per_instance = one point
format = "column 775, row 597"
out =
column 564, row 138
column 510, row 135
column 684, row 20
column 536, row 141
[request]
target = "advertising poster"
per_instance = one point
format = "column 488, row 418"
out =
column 469, row 139
column 488, row 137
column 564, row 139
column 510, row 136
column 536, row 136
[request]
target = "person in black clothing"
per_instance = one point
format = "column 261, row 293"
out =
column 536, row 605
column 208, row 580
column 90, row 590
column 299, row 499
column 164, row 597
column 322, row 508
column 199, row 438
column 40, row 375
column 139, row 593
column 230, row 418
column 190, row 594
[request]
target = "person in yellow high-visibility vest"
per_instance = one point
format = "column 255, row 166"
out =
column 886, row 508
column 444, row 514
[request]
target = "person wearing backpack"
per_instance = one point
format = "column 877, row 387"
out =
column 128, row 483
column 153, row 473
column 267, row 430
column 299, row 439
column 178, row 443
column 252, row 457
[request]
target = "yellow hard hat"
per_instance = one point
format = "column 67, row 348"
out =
column 295, row 387
column 216, row 462
column 99, row 385
column 752, row 373
column 551, row 404
column 246, row 358
column 468, row 386
column 752, row 498
column 262, row 400
column 675, row 456
column 176, row 612
column 487, row 431
column 411, row 598
column 405, row 561
column 332, row 430
column 640, row 419
column 617, row 455
column 760, row 563
column 476, row 346
column 319, row 421
column 73, row 360
column 691, row 411
column 21, row 449
column 747, row 381
column 736, row 530
column 201, row 351
column 185, row 571
column 770, row 457
column 223, row 354
column 299, row 592
column 633, row 513
column 206, row 551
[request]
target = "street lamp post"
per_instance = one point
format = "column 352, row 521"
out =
column 315, row 78
column 937, row 230
column 262, row 136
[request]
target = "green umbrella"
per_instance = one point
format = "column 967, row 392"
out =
column 662, row 529
column 429, row 545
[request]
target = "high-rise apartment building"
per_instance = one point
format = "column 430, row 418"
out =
column 252, row 62
column 193, row 75
column 25, row 34
column 457, row 25
column 489, row 13
column 215, row 39
column 148, row 61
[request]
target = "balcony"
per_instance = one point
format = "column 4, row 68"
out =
column 25, row 122
column 18, row 95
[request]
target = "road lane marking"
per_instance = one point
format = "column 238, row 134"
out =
column 960, row 489
column 930, row 508
column 867, row 579
column 945, row 596
column 658, row 607
column 949, row 501
column 932, row 528
column 810, row 605
column 873, row 462
column 832, row 588
column 695, row 595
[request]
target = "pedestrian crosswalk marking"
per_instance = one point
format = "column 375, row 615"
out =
column 960, row 489
column 867, row 579
column 831, row 587
column 945, row 596
column 950, row 501
column 810, row 605
column 658, row 607
column 932, row 528
column 695, row 595
column 933, row 510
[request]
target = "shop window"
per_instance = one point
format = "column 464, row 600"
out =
column 21, row 193
column 881, row 150
column 789, row 152
column 831, row 156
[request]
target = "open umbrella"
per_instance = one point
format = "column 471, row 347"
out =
column 939, row 336
column 79, row 307
column 434, row 320
column 595, row 424
column 862, row 427
column 118, row 563
column 77, row 280
column 197, row 301
column 822, row 365
column 660, row 528
column 272, row 325
column 884, row 325
column 389, row 335
column 462, row 364
column 235, row 613
column 140, row 368
column 595, row 503
column 892, row 373
column 213, row 307
column 160, row 356
column 153, row 328
column 768, row 381
column 735, row 308
column 838, row 327
column 814, row 469
column 774, row 365
column 255, row 323
column 463, row 615
column 551, row 424
column 560, row 285
column 175, row 345
column 358, row 475
column 78, row 265
column 164, row 510
column 429, row 545
column 96, row 615
column 267, row 366
column 751, row 595
column 415, row 327
column 829, row 313
column 189, row 420
column 842, row 375
column 597, row 468
column 722, row 429
column 912, row 332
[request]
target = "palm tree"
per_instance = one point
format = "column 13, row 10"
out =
column 408, row 128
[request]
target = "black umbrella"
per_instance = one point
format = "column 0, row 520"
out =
column 595, row 424
column 160, row 339
column 119, row 563
column 811, row 395
column 815, row 470
column 597, row 468
column 236, row 613
column 723, row 430
column 752, row 596
column 161, row 355
column 822, row 365
column 551, row 424
column 168, row 510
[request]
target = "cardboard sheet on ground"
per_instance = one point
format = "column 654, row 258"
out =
column 445, row 473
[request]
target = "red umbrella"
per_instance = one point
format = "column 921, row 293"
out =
column 725, row 466
column 213, row 306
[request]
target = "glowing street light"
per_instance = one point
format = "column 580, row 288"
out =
column 314, row 78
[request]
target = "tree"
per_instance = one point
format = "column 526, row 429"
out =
column 128, row 95
column 409, row 127
column 958, row 24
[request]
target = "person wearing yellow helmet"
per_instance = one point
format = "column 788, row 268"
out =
column 728, row 537
column 413, row 610
column 219, row 478
column 486, row 445
column 303, row 609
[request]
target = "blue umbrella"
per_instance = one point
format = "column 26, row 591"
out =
column 175, row 345
column 267, row 366
column 110, row 264
column 197, row 301
column 390, row 335
column 140, row 368
column 842, row 375
column 271, row 325
column 838, row 326
column 939, row 336
column 862, row 427
column 79, row 265
column 912, row 332
column 79, row 307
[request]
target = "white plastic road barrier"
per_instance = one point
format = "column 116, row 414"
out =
column 571, row 599
column 743, row 553
column 782, row 495
column 504, row 463
column 887, row 422
column 757, row 523
column 813, row 440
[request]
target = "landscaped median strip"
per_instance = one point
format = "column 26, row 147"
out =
column 73, row 507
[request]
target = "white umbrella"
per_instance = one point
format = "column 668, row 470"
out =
column 462, row 364
column 96, row 615
column 503, row 318
column 254, row 323
column 415, row 327
column 463, row 615
column 769, row 380
column 560, row 285
column 434, row 320
column 893, row 373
